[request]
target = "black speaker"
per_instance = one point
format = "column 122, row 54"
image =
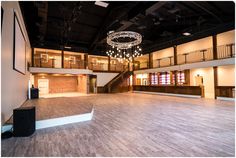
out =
column 23, row 121
column 34, row 93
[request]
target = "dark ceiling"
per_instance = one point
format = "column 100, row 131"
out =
column 83, row 26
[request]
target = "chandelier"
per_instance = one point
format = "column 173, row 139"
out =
column 124, row 45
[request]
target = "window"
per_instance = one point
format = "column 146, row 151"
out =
column 181, row 77
column 154, row 79
column 164, row 78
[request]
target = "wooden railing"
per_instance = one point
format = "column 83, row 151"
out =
column 226, row 51
column 189, row 90
column 163, row 62
column 79, row 64
column 225, row 91
column 118, row 67
column 142, row 65
column 195, row 56
column 49, row 63
column 98, row 66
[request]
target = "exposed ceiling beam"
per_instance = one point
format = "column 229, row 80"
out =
column 204, row 8
column 107, row 24
column 155, row 7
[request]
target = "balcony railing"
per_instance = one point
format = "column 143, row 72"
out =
column 226, row 51
column 56, row 63
column 47, row 63
column 118, row 67
column 195, row 56
column 69, row 64
column 163, row 62
column 142, row 65
column 98, row 66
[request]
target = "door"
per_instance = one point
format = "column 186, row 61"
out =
column 92, row 83
column 43, row 85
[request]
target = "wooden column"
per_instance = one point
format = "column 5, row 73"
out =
column 176, row 79
column 62, row 58
column 187, row 76
column 150, row 79
column 32, row 57
column 214, row 42
column 109, row 63
column 215, row 79
column 150, row 60
column 85, row 60
column 175, row 55
column 158, row 77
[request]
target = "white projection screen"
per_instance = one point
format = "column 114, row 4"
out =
column 19, row 48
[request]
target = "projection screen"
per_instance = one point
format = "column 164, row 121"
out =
column 19, row 52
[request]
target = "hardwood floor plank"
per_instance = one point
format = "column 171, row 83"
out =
column 137, row 125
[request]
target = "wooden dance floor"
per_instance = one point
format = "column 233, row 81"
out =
column 132, row 124
column 48, row 108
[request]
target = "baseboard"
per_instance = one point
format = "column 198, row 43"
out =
column 225, row 98
column 169, row 94
column 57, row 121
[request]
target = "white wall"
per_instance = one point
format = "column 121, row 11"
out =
column 226, row 38
column 200, row 44
column 163, row 53
column 226, row 75
column 208, row 80
column 13, row 84
column 103, row 78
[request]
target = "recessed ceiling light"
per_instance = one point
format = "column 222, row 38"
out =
column 101, row 4
column 186, row 34
column 67, row 47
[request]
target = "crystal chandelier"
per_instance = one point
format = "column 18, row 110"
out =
column 124, row 45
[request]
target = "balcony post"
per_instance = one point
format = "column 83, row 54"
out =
column 170, row 60
column 150, row 60
column 85, row 60
column 159, row 65
column 231, row 50
column 203, row 54
column 175, row 55
column 214, row 42
column 62, row 58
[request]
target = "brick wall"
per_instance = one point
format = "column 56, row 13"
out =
column 59, row 84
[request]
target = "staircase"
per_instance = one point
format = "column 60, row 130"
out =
column 119, row 83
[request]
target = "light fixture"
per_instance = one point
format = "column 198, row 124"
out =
column 124, row 45
column 67, row 47
column 186, row 34
column 101, row 4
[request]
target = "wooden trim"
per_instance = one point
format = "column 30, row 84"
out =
column 214, row 42
column 86, row 60
column 150, row 65
column 215, row 71
column 175, row 55
column 191, row 90
column 62, row 58
column 187, row 76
